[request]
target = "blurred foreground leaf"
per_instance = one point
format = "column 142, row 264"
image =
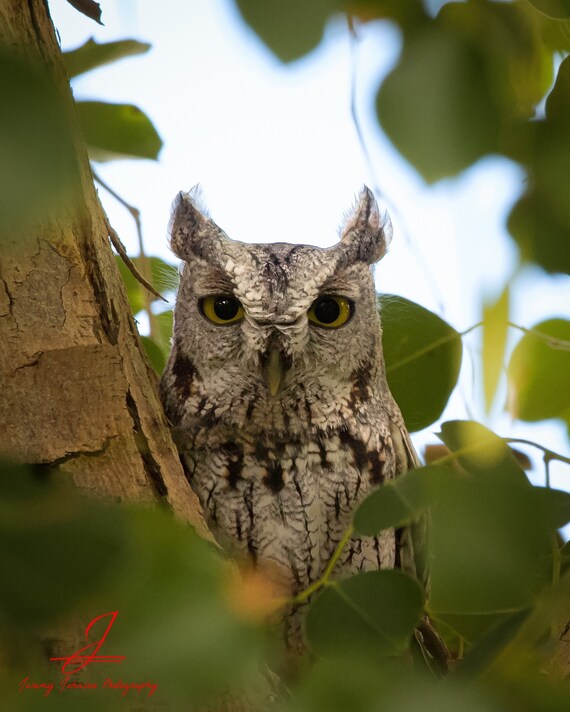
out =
column 290, row 28
column 359, row 684
column 93, row 54
column 423, row 358
column 55, row 546
column 491, row 534
column 63, row 554
column 37, row 155
column 553, row 8
column 376, row 611
column 117, row 131
column 472, row 55
column 444, row 77
column 178, row 622
column 539, row 373
column 540, row 220
column 481, row 451
column 399, row 502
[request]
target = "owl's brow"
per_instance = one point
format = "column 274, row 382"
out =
column 338, row 284
column 215, row 280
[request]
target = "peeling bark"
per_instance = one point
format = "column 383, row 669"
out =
column 77, row 391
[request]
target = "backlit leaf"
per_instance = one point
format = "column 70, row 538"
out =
column 539, row 373
column 481, row 451
column 461, row 83
column 39, row 171
column 117, row 131
column 93, row 54
column 290, row 28
column 495, row 329
column 445, row 77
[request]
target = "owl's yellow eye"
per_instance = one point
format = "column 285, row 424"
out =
column 221, row 309
column 330, row 312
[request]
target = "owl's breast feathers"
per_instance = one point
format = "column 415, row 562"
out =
column 280, row 480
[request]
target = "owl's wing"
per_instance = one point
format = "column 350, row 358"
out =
column 411, row 539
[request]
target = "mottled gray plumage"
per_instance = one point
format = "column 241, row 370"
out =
column 279, row 475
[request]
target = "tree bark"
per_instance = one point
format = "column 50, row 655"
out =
column 77, row 390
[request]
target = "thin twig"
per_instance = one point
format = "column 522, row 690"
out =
column 118, row 245
column 548, row 454
column 146, row 276
column 552, row 341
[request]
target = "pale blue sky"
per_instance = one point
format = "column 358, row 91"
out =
column 276, row 153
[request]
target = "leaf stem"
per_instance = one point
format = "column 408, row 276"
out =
column 548, row 454
column 143, row 258
column 552, row 341
column 471, row 328
column 324, row 579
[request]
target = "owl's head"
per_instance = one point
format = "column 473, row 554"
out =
column 265, row 325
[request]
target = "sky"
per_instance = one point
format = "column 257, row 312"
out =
column 276, row 152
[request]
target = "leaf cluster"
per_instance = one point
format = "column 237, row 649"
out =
column 469, row 83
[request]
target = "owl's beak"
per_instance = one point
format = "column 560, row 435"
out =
column 274, row 370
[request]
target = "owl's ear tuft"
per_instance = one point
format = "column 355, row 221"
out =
column 189, row 224
column 365, row 234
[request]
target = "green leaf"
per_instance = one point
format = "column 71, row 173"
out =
column 473, row 55
column 93, row 54
column 540, row 220
column 423, row 358
column 555, row 505
column 480, row 451
column 495, row 329
column 117, row 131
column 39, row 172
column 488, row 548
column 539, row 373
column 290, row 28
column 553, row 8
column 376, row 611
column 490, row 645
column 445, row 77
column 398, row 502
column 558, row 101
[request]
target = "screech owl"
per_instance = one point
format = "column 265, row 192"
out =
column 277, row 393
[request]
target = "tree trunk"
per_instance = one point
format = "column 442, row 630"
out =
column 77, row 391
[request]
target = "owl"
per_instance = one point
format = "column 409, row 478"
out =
column 277, row 393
